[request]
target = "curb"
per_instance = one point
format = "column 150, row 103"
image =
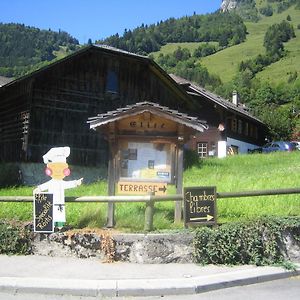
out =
column 142, row 287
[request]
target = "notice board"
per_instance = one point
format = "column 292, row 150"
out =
column 43, row 213
column 200, row 205
column 146, row 161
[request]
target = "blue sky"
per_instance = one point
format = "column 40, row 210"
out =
column 97, row 19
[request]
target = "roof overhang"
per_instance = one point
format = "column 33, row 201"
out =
column 194, row 90
column 154, row 108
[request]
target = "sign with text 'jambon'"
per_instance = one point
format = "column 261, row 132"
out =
column 200, row 205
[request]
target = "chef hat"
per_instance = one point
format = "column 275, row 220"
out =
column 58, row 154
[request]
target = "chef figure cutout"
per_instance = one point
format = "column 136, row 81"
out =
column 57, row 168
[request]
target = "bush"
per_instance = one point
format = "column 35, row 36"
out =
column 14, row 239
column 258, row 242
column 266, row 11
column 9, row 175
column 191, row 158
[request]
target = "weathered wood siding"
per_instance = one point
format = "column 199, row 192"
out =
column 14, row 122
column 61, row 98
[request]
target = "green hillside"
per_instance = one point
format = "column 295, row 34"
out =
column 24, row 48
column 225, row 63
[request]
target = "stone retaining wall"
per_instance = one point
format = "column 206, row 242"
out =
column 134, row 248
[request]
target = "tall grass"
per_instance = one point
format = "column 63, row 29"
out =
column 232, row 174
column 251, row 172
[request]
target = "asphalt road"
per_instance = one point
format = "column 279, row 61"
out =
column 276, row 290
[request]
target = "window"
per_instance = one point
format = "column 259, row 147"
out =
column 202, row 150
column 234, row 125
column 112, row 82
column 240, row 127
column 246, row 129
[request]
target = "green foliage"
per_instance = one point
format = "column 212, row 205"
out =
column 247, row 10
column 274, row 38
column 276, row 35
column 22, row 47
column 224, row 28
column 204, row 50
column 9, row 173
column 182, row 64
column 255, row 242
column 191, row 159
column 14, row 239
column 279, row 121
column 266, row 11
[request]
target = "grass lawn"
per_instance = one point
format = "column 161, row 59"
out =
column 232, row 174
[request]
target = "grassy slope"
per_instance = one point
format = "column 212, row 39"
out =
column 171, row 47
column 233, row 174
column 225, row 63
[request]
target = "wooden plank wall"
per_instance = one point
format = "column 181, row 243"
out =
column 14, row 122
column 65, row 96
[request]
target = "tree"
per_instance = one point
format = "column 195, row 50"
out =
column 279, row 121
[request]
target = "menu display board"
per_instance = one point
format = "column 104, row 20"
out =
column 43, row 213
column 146, row 161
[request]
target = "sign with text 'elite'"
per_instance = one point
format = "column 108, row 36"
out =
column 43, row 213
column 200, row 205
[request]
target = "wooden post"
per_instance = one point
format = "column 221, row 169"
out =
column 111, row 192
column 111, row 177
column 149, row 214
column 179, row 183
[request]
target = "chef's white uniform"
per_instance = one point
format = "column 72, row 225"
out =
column 57, row 188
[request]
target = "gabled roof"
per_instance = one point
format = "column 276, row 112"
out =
column 5, row 80
column 164, row 76
column 156, row 109
column 195, row 90
column 103, row 48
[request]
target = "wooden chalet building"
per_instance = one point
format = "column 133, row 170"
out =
column 50, row 107
column 232, row 129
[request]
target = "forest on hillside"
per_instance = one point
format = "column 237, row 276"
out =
column 23, row 48
column 224, row 28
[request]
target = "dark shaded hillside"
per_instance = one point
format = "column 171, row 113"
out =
column 22, row 47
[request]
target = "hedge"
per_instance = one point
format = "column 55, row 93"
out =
column 259, row 242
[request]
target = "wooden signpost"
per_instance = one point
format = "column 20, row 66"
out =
column 200, row 205
column 43, row 213
column 146, row 149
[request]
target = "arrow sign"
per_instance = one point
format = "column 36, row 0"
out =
column 207, row 218
column 142, row 188
column 200, row 205
column 163, row 189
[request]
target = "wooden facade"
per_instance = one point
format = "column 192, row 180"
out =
column 50, row 107
column 231, row 126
